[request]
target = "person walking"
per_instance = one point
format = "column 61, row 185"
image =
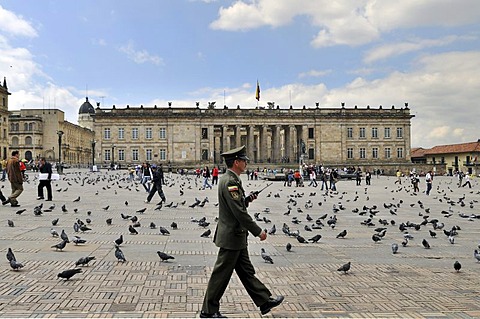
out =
column 45, row 168
column 234, row 224
column 16, row 180
column 146, row 176
column 368, row 177
column 428, row 181
column 206, row 177
column 467, row 181
column 313, row 178
column 215, row 175
column 399, row 177
column 358, row 176
column 157, row 184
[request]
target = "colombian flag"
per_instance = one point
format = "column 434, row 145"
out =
column 257, row 92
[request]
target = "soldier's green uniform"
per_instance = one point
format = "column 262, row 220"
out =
column 234, row 224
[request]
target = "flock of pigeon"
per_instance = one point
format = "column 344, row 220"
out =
column 305, row 214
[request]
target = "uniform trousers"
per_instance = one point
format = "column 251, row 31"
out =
column 227, row 261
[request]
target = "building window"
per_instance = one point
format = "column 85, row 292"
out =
column 387, row 132
column 400, row 152
column 28, row 140
column 163, row 133
column 106, row 133
column 163, row 154
column 362, row 132
column 350, row 153
column 107, row 155
column 148, row 154
column 399, row 132
column 388, row 152
column 135, row 133
column 349, row 132
column 363, row 153
column 204, row 132
column 311, row 153
column 135, row 155
column 375, row 152
column 205, row 154
column 121, row 155
column 121, row 133
column 374, row 132
column 148, row 133
column 311, row 132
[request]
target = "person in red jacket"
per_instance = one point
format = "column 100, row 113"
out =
column 215, row 175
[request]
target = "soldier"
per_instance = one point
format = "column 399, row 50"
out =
column 233, row 226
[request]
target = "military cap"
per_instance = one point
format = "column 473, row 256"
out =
column 236, row 153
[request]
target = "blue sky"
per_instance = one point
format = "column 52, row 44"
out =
column 361, row 52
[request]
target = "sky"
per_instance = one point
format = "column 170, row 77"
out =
column 150, row 52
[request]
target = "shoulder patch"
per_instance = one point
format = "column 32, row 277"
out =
column 232, row 188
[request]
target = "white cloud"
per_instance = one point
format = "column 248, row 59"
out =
column 140, row 56
column 314, row 73
column 15, row 25
column 395, row 49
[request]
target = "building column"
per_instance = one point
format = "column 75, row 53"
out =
column 292, row 152
column 225, row 140
column 238, row 136
column 264, row 144
column 250, row 142
column 276, row 144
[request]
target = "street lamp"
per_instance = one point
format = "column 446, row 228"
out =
column 59, row 167
column 93, row 154
column 113, row 157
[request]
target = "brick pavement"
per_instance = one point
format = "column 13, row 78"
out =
column 415, row 283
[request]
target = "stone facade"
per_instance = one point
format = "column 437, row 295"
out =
column 35, row 133
column 192, row 136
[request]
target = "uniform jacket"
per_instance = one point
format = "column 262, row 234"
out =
column 13, row 170
column 234, row 222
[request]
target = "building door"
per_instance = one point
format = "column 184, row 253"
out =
column 28, row 155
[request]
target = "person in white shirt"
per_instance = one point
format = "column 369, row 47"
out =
column 428, row 180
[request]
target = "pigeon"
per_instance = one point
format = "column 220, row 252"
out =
column 84, row 228
column 10, row 255
column 164, row 231
column 266, row 257
column 54, row 232
column 302, row 240
column 394, row 248
column 64, row 236
column 55, row 222
column 476, row 255
column 106, row 208
column 174, row 225
column 376, row 238
column 134, row 219
column 132, row 230
column 77, row 240
column 451, row 239
column 344, row 268
column 152, row 225
column 19, row 212
column 15, row 264
column 119, row 255
column 67, row 274
column 425, row 244
column 342, row 234
column 206, row 233
column 60, row 245
column 315, row 238
column 141, row 211
column 432, row 233
column 272, row 230
column 64, row 208
column 76, row 199
column 119, row 240
column 125, row 216
column 288, row 247
column 83, row 261
column 10, row 223
column 108, row 221
column 457, row 266
column 163, row 256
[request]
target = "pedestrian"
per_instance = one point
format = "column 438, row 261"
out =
column 16, row 180
column 368, row 177
column 313, row 178
column 157, row 185
column 358, row 176
column 146, row 176
column 467, row 181
column 428, row 181
column 234, row 224
column 4, row 170
column 206, row 177
column 333, row 180
column 415, row 181
column 160, row 173
column 46, row 181
column 215, row 175
column 297, row 176
column 460, row 178
column 323, row 179
column 399, row 177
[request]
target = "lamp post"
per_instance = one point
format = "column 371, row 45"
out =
column 93, row 155
column 113, row 157
column 59, row 167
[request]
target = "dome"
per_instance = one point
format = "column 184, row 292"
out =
column 86, row 108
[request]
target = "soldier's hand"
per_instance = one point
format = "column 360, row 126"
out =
column 263, row 235
column 251, row 197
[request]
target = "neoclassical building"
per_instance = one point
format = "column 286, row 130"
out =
column 192, row 135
